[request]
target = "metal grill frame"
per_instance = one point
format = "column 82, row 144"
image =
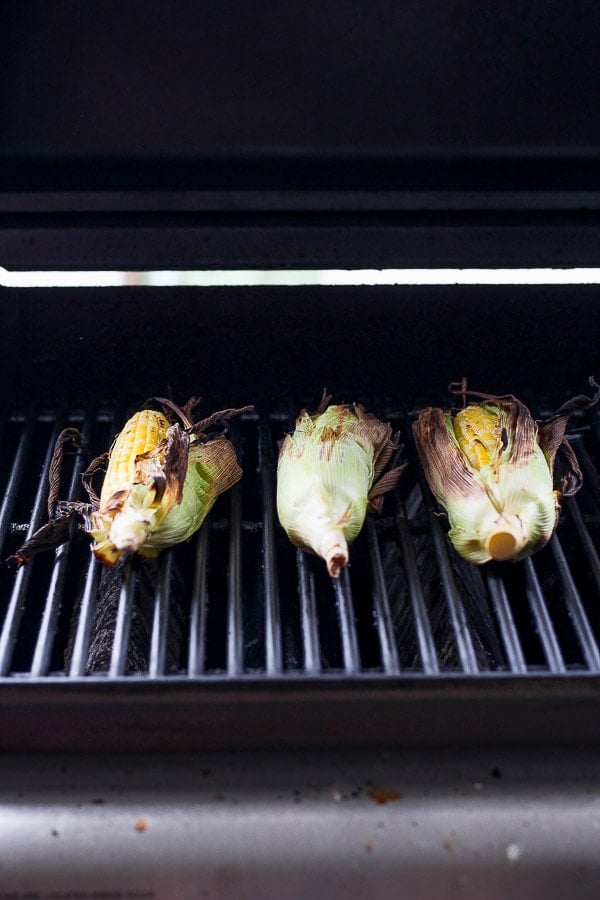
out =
column 311, row 706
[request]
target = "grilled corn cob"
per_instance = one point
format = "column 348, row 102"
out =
column 161, row 481
column 492, row 467
column 328, row 478
column 139, row 488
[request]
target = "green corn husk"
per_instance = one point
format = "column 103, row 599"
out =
column 329, row 476
column 498, row 473
column 212, row 469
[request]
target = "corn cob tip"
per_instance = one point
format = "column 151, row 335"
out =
column 334, row 550
column 502, row 545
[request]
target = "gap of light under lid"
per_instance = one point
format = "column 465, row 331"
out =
column 299, row 277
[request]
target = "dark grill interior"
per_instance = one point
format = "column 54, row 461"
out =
column 240, row 602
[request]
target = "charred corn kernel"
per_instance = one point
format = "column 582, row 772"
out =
column 491, row 466
column 328, row 475
column 142, row 434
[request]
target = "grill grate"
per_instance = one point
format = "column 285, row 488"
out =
column 239, row 602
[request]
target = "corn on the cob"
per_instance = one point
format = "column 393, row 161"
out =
column 492, row 467
column 161, row 482
column 328, row 478
column 139, row 488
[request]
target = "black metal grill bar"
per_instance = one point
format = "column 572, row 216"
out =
column 345, row 610
column 85, row 618
column 596, row 426
column 273, row 645
column 309, row 620
column 381, row 604
column 235, row 636
column 542, row 622
column 506, row 624
column 12, row 619
column 464, row 644
column 118, row 659
column 47, row 630
column 199, row 607
column 575, row 608
column 19, row 593
column 160, row 618
column 466, row 651
column 425, row 639
column 570, row 504
column 14, row 479
column 591, row 476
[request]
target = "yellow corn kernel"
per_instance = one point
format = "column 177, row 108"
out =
column 475, row 429
column 142, row 433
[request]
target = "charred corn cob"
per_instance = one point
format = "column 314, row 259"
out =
column 161, row 482
column 138, row 490
column 328, row 478
column 492, row 467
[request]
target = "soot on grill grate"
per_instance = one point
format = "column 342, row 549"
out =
column 239, row 601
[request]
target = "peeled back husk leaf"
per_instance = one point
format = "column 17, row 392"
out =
column 329, row 476
column 212, row 469
column 498, row 473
